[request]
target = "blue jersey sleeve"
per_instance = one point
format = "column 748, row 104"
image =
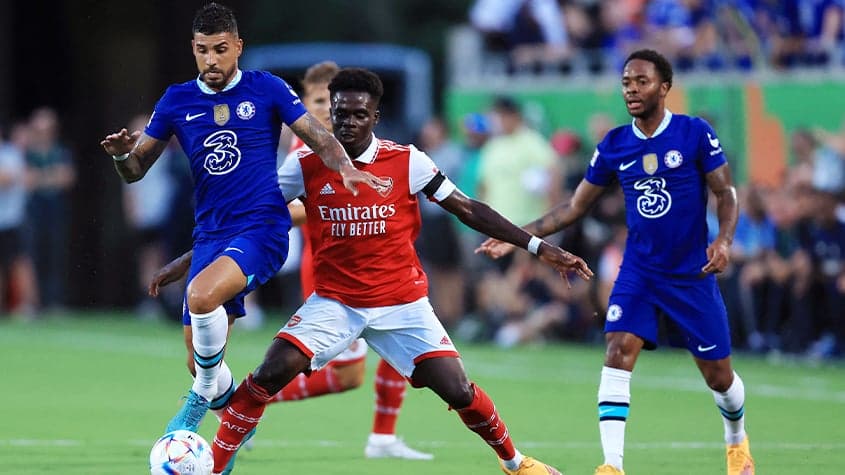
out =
column 600, row 172
column 711, row 154
column 160, row 125
column 285, row 101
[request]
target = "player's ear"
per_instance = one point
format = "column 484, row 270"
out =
column 664, row 88
column 240, row 46
column 377, row 116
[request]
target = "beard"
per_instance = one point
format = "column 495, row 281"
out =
column 216, row 79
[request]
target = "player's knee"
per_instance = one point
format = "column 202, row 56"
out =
column 719, row 381
column 620, row 356
column 282, row 363
column 459, row 395
column 201, row 300
column 349, row 376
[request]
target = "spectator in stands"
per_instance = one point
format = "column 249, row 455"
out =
column 16, row 273
column 532, row 32
column 438, row 244
column 146, row 206
column 819, row 266
column 754, row 240
column 515, row 166
column 50, row 177
column 821, row 24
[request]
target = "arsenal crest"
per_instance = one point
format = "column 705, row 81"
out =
column 650, row 163
column 221, row 114
column 385, row 190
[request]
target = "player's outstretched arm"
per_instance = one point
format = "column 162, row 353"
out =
column 133, row 153
column 483, row 218
column 727, row 210
column 558, row 218
column 323, row 143
column 171, row 272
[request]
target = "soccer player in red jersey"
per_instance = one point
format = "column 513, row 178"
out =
column 346, row 370
column 369, row 280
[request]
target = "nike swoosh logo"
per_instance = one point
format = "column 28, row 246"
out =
column 626, row 166
column 189, row 117
column 604, row 411
column 233, row 249
column 705, row 348
column 714, row 142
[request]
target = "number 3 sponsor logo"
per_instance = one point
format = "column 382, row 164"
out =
column 225, row 155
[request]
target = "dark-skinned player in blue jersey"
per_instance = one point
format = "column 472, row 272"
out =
column 228, row 123
column 665, row 164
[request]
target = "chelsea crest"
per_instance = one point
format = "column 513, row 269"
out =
column 245, row 110
column 673, row 159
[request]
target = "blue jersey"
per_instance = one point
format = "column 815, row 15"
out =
column 663, row 179
column 230, row 138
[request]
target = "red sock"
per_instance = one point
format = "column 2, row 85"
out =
column 241, row 416
column 302, row 387
column 390, row 392
column 482, row 418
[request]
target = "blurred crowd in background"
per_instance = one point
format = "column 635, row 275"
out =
column 784, row 290
column 536, row 36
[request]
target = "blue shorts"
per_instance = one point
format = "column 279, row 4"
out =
column 259, row 252
column 695, row 306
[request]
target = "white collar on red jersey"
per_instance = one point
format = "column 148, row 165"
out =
column 667, row 117
column 369, row 155
column 234, row 82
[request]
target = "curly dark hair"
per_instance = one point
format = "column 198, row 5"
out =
column 357, row 80
column 663, row 66
column 214, row 18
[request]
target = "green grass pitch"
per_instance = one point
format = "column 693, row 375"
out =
column 88, row 395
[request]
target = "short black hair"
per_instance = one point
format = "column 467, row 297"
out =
column 663, row 66
column 214, row 18
column 507, row 104
column 357, row 80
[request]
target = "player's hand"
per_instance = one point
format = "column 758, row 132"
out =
column 352, row 177
column 121, row 142
column 718, row 255
column 171, row 272
column 564, row 262
column 494, row 249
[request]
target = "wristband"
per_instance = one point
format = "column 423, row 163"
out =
column 534, row 245
column 120, row 158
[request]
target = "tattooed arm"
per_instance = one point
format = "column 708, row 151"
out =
column 323, row 143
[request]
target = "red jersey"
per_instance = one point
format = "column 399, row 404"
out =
column 363, row 246
column 306, row 263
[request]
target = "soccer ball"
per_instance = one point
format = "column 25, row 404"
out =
column 181, row 452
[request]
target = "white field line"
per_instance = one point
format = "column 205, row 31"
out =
column 693, row 383
column 573, row 445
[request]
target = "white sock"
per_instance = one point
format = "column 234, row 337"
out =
column 614, row 403
column 209, row 338
column 381, row 439
column 731, row 404
column 513, row 464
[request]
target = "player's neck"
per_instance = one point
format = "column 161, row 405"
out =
column 649, row 125
column 356, row 150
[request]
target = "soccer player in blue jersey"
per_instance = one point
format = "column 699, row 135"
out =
column 665, row 164
column 228, row 123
